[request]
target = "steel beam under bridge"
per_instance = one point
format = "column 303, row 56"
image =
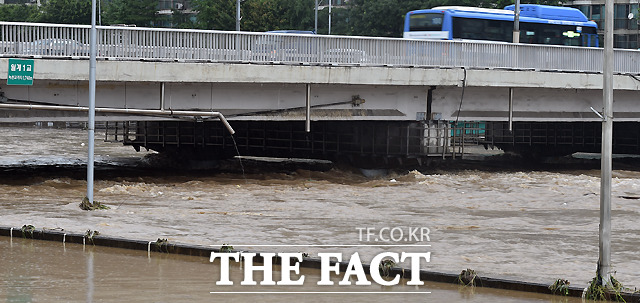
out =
column 277, row 92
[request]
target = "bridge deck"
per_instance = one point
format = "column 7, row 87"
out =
column 60, row 40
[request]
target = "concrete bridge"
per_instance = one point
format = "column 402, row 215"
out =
column 369, row 98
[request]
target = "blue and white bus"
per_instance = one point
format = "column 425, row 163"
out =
column 539, row 24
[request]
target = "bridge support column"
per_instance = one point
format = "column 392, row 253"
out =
column 162, row 95
column 510, row 109
column 428, row 111
column 308, row 110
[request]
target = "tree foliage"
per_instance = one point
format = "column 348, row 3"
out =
column 215, row 14
column 179, row 19
column 257, row 15
column 359, row 17
column 19, row 13
column 66, row 11
column 138, row 12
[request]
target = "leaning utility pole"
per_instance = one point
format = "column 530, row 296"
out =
column 604, row 259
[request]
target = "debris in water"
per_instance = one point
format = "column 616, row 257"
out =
column 90, row 234
column 630, row 197
column 385, row 267
column 162, row 245
column 226, row 248
column 27, row 230
column 467, row 277
column 86, row 205
column 612, row 291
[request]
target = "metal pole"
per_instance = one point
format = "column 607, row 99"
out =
column 330, row 17
column 308, row 113
column 238, row 15
column 162, row 96
column 604, row 260
column 510, row 109
column 516, row 23
column 316, row 12
column 92, row 100
column 130, row 111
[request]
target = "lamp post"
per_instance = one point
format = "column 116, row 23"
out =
column 92, row 101
column 330, row 17
column 238, row 15
column 316, row 16
column 516, row 23
column 604, row 258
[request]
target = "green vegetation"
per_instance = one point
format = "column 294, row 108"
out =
column 215, row 14
column 358, row 17
column 226, row 248
column 140, row 12
column 66, row 12
column 612, row 291
column 19, row 13
column 560, row 287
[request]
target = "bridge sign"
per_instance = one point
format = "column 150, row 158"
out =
column 20, row 72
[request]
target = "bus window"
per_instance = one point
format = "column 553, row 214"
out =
column 482, row 29
column 553, row 34
column 528, row 36
column 425, row 22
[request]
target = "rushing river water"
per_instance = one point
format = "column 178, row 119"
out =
column 528, row 224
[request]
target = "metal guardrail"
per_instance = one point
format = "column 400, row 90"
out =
column 60, row 40
column 414, row 140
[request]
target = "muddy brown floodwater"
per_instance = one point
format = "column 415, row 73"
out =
column 535, row 225
column 74, row 273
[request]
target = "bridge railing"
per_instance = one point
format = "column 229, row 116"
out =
column 136, row 43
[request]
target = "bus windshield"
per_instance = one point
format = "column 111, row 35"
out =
column 426, row 22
